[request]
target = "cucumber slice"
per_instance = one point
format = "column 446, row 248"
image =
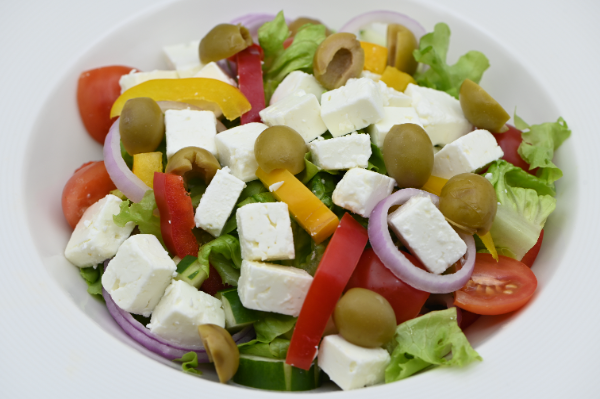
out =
column 236, row 315
column 276, row 375
column 190, row 271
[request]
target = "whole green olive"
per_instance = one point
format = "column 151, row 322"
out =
column 401, row 43
column 337, row 59
column 365, row 318
column 481, row 109
column 221, row 350
column 142, row 125
column 299, row 22
column 469, row 203
column 192, row 162
column 280, row 147
column 223, row 41
column 408, row 155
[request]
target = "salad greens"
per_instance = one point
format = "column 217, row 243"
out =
column 269, row 342
column 189, row 363
column 142, row 214
column 93, row 278
column 225, row 255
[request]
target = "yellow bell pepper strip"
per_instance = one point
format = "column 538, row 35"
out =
column 375, row 57
column 145, row 164
column 396, row 79
column 195, row 91
column 309, row 211
column 487, row 240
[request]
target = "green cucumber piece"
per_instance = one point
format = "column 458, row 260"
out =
column 236, row 315
column 276, row 375
column 190, row 271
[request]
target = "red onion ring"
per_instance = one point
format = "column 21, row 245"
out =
column 397, row 263
column 254, row 21
column 383, row 16
column 117, row 169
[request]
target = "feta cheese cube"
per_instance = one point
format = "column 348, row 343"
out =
column 136, row 278
column 360, row 190
column 265, row 231
column 351, row 366
column 135, row 78
column 351, row 151
column 218, row 201
column 392, row 97
column 300, row 111
column 370, row 75
column 214, row 71
column 181, row 310
column 236, row 149
column 273, row 288
column 184, row 58
column 295, row 81
column 393, row 116
column 466, row 154
column 354, row 106
column 190, row 128
column 420, row 226
column 440, row 114
column 96, row 236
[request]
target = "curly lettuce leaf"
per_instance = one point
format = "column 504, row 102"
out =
column 225, row 255
column 269, row 331
column 428, row 341
column 142, row 214
column 308, row 254
column 189, row 363
column 93, row 278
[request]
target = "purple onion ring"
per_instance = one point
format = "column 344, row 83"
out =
column 390, row 17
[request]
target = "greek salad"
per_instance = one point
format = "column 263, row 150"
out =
column 296, row 205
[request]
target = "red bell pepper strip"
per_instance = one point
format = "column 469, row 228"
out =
column 250, row 81
column 336, row 267
column 176, row 214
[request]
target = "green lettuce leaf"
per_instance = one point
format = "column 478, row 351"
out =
column 376, row 163
column 189, row 363
column 93, row 278
column 432, row 51
column 140, row 213
column 269, row 331
column 322, row 185
column 253, row 190
column 307, row 254
column 225, row 255
column 427, row 341
column 524, row 204
column 277, row 349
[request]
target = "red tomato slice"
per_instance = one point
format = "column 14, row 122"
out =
column 97, row 90
column 214, row 282
column 250, row 80
column 532, row 254
column 510, row 141
column 89, row 184
column 496, row 287
column 372, row 274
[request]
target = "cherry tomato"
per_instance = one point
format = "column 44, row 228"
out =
column 532, row 254
column 97, row 90
column 510, row 141
column 496, row 287
column 88, row 184
column 372, row 274
column 214, row 282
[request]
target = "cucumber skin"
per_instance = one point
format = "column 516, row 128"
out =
column 275, row 375
column 231, row 303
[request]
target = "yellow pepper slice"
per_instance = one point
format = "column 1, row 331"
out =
column 396, row 79
column 375, row 57
column 489, row 244
column 195, row 91
column 145, row 164
column 434, row 185
column 309, row 211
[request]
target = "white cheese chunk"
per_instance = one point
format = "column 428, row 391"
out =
column 392, row 97
column 181, row 310
column 184, row 58
column 466, row 154
column 350, row 151
column 420, row 226
column 393, row 116
column 275, row 186
column 96, row 236
column 273, row 288
column 214, row 71
column 135, row 78
column 295, row 81
column 136, row 278
column 236, row 149
column 370, row 75
column 265, row 231
column 360, row 190
column 440, row 114
column 218, row 201
column 190, row 128
column 351, row 366
column 300, row 111
column 354, row 106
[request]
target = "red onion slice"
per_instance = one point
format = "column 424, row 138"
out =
column 254, row 21
column 390, row 17
column 397, row 263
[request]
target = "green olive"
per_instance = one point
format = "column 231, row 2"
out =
column 337, row 59
column 280, row 147
column 221, row 350
column 401, row 43
column 142, row 125
column 223, row 41
column 192, row 162
column 469, row 203
column 365, row 318
column 295, row 25
column 408, row 155
column 481, row 109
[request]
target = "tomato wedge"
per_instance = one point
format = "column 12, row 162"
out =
column 496, row 287
column 510, row 141
column 532, row 254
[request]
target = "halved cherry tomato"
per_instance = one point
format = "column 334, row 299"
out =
column 97, row 90
column 88, row 184
column 214, row 282
column 532, row 254
column 496, row 287
column 510, row 141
